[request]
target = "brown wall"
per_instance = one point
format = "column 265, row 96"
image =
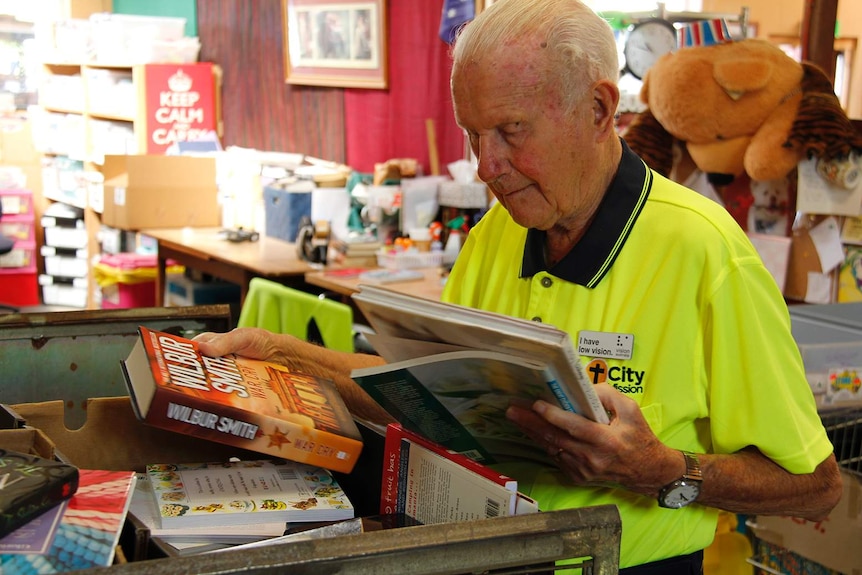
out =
column 259, row 109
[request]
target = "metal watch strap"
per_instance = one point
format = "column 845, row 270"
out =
column 692, row 467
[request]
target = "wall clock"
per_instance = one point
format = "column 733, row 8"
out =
column 648, row 41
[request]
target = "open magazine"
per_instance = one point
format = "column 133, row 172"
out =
column 453, row 370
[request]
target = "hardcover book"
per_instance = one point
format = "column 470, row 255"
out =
column 247, row 403
column 31, row 485
column 432, row 484
column 245, row 492
column 80, row 533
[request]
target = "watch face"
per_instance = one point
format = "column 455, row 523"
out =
column 680, row 494
column 647, row 42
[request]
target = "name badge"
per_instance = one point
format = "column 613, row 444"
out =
column 605, row 344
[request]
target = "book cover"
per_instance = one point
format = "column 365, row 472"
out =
column 431, row 484
column 247, row 403
column 144, row 509
column 245, row 492
column 459, row 398
column 398, row 315
column 81, row 533
column 31, row 485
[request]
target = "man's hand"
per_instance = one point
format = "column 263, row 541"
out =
column 625, row 452
column 252, row 342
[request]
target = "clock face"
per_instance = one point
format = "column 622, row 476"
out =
column 681, row 494
column 647, row 42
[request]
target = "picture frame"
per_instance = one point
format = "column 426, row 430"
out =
column 335, row 43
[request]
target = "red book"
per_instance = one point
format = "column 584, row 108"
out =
column 432, row 484
column 246, row 403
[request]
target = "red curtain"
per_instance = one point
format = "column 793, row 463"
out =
column 385, row 124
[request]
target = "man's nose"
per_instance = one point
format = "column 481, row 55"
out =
column 491, row 162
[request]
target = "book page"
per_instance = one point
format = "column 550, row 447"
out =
column 454, row 397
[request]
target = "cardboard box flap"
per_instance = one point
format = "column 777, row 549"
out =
column 27, row 440
column 113, row 438
column 159, row 171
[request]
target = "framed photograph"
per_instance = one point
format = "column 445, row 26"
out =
column 337, row 43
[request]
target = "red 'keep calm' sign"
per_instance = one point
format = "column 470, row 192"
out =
column 180, row 104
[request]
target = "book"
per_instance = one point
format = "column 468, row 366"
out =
column 246, row 403
column 406, row 317
column 31, row 485
column 244, row 493
column 432, row 484
column 145, row 510
column 459, row 399
column 80, row 533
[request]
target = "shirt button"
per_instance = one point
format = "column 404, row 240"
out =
column 547, row 282
column 537, row 319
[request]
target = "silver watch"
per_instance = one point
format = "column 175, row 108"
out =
column 684, row 490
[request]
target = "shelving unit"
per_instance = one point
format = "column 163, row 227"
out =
column 89, row 110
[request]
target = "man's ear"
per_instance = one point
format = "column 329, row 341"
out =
column 606, row 98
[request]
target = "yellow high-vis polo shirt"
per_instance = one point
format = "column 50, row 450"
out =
column 709, row 354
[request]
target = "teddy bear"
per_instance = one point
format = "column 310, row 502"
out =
column 742, row 111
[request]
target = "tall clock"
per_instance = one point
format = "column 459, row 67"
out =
column 648, row 41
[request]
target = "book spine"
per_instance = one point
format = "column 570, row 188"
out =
column 19, row 504
column 389, row 486
column 260, row 433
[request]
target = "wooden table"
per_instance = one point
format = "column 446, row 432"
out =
column 430, row 286
column 205, row 250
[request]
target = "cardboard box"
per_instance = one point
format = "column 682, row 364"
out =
column 27, row 440
column 160, row 192
column 833, row 542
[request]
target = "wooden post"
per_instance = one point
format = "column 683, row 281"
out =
column 818, row 34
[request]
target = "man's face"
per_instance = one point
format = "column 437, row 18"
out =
column 533, row 153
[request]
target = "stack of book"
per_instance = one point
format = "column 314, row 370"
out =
column 359, row 252
column 203, row 506
column 56, row 518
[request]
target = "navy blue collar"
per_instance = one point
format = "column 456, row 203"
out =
column 594, row 254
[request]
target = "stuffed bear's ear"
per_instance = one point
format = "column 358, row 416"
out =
column 648, row 139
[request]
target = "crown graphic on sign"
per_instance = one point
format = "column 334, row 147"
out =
column 180, row 82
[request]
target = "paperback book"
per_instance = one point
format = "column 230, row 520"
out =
column 453, row 371
column 432, row 484
column 245, row 492
column 81, row 533
column 31, row 485
column 247, row 403
column 397, row 315
column 144, row 509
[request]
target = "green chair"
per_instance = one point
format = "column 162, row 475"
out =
column 282, row 309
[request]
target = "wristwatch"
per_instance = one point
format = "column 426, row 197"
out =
column 684, row 490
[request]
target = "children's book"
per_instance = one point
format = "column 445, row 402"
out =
column 247, row 403
column 432, row 484
column 80, row 533
column 31, row 485
column 245, row 492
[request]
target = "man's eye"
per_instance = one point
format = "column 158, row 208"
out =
column 511, row 129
